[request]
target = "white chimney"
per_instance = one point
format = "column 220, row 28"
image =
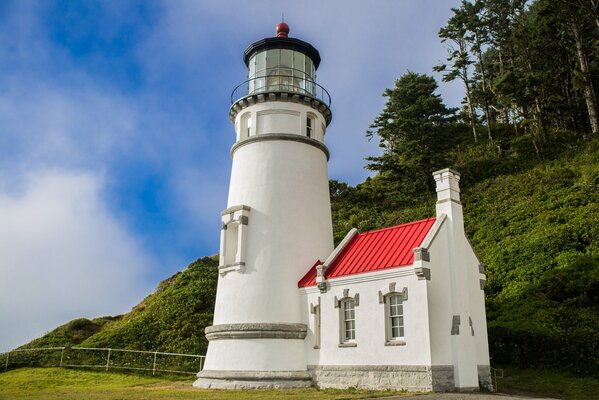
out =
column 448, row 197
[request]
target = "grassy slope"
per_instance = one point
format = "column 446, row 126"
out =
column 71, row 333
column 561, row 385
column 171, row 319
column 66, row 384
column 537, row 231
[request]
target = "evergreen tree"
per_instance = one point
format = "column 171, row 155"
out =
column 456, row 37
column 410, row 130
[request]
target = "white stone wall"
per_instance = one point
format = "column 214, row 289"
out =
column 439, row 299
column 273, row 117
column 370, row 321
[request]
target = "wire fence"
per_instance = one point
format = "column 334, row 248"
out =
column 102, row 358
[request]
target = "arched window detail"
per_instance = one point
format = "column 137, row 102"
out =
column 393, row 300
column 347, row 318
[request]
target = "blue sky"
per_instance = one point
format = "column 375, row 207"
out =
column 115, row 137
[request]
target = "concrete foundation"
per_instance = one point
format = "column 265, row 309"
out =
column 380, row 377
column 485, row 380
column 240, row 380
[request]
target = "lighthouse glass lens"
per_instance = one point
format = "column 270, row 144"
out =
column 260, row 64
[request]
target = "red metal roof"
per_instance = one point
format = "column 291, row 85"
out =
column 376, row 250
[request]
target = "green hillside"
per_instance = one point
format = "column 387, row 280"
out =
column 72, row 333
column 171, row 319
column 537, row 232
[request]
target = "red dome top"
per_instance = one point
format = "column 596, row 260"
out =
column 282, row 30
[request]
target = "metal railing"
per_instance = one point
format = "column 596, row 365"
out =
column 284, row 83
column 102, row 358
column 495, row 373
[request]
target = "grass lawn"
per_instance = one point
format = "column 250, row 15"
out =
column 561, row 385
column 66, row 384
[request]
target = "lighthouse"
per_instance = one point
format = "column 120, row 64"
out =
column 277, row 220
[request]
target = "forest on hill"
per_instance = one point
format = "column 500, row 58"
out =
column 526, row 141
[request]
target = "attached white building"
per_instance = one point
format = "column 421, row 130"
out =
column 400, row 307
column 397, row 308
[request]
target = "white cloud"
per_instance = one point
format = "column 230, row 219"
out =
column 62, row 256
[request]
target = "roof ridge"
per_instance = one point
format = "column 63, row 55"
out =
column 396, row 226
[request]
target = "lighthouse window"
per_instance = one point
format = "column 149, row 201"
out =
column 246, row 126
column 309, row 126
column 281, row 69
column 286, row 58
column 260, row 63
column 231, row 244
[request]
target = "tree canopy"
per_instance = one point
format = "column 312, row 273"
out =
column 411, row 131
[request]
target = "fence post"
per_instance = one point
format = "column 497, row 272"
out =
column 61, row 356
column 6, row 365
column 154, row 366
column 108, row 359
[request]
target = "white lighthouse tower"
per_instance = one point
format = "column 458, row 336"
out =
column 277, row 220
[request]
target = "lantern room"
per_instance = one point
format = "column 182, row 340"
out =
column 281, row 64
column 281, row 70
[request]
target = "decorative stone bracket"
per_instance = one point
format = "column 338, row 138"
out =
column 392, row 289
column 421, row 260
column 346, row 295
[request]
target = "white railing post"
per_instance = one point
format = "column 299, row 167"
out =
column 108, row 359
column 6, row 365
column 61, row 356
column 154, row 366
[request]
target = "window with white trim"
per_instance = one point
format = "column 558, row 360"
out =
column 348, row 314
column 395, row 323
